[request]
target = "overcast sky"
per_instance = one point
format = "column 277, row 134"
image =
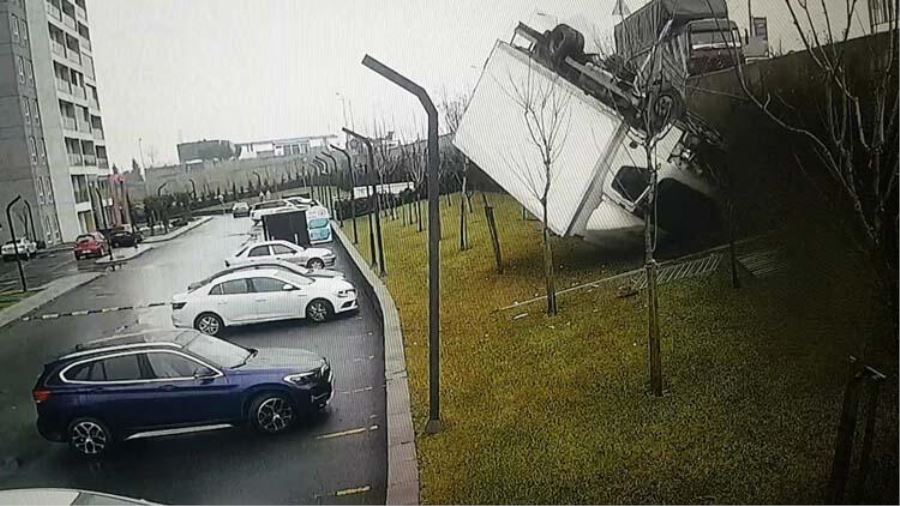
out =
column 171, row 70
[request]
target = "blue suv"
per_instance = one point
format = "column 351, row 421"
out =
column 164, row 383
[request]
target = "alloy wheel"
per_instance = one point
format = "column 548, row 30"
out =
column 89, row 437
column 316, row 264
column 318, row 311
column 208, row 325
column 274, row 415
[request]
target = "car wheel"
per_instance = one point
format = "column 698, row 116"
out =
column 319, row 310
column 316, row 263
column 271, row 413
column 209, row 323
column 89, row 437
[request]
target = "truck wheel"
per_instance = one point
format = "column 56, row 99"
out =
column 564, row 41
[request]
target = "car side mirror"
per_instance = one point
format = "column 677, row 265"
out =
column 287, row 287
column 204, row 373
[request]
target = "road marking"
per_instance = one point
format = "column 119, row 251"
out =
column 351, row 491
column 363, row 359
column 79, row 313
column 50, row 316
column 350, row 432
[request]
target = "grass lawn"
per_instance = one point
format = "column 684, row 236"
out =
column 12, row 297
column 557, row 410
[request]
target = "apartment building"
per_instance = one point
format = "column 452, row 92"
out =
column 52, row 130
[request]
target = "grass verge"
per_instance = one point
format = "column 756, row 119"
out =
column 557, row 410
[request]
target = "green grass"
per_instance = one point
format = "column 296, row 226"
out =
column 10, row 298
column 557, row 410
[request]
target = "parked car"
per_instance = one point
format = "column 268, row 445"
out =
column 268, row 264
column 124, row 238
column 64, row 496
column 253, row 296
column 90, row 245
column 142, row 385
column 314, row 258
column 270, row 207
column 240, row 210
column 26, row 247
column 301, row 202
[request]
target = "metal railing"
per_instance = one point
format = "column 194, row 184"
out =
column 73, row 56
column 54, row 11
column 103, row 163
column 69, row 122
column 85, row 43
column 93, row 103
column 90, row 160
column 69, row 20
column 98, row 133
column 84, row 127
column 75, row 159
column 80, row 13
column 79, row 92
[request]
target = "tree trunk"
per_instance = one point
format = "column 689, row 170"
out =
column 463, row 240
column 419, row 213
column 492, row 230
column 549, row 277
column 650, row 268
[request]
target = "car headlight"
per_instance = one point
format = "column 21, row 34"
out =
column 301, row 378
column 346, row 293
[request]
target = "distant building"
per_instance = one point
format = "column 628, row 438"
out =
column 284, row 147
column 51, row 131
column 207, row 150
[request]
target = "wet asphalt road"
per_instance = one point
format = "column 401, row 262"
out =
column 224, row 466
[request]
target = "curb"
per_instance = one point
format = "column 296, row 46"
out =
column 49, row 292
column 178, row 233
column 403, row 469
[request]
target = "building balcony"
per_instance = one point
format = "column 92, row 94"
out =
column 103, row 163
column 69, row 123
column 85, row 43
column 93, row 103
column 98, row 133
column 75, row 159
column 84, row 127
column 81, row 196
column 73, row 56
column 57, row 49
column 79, row 92
column 54, row 11
column 63, row 86
column 69, row 21
column 80, row 13
column 90, row 160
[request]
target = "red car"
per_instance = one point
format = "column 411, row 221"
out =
column 90, row 245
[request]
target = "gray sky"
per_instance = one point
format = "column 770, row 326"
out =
column 251, row 70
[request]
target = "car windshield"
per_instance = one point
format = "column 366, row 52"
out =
column 217, row 351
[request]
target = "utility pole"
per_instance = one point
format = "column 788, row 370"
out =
column 12, row 233
column 434, row 237
column 331, row 180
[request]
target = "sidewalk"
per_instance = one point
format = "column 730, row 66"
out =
column 124, row 254
column 176, row 233
column 47, row 293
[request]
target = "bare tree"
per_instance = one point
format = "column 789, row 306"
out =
column 852, row 127
column 544, row 104
column 453, row 109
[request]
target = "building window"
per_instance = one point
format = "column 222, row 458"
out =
column 36, row 112
column 32, row 149
column 881, row 11
column 23, row 31
column 14, row 27
column 42, row 150
column 26, row 110
column 30, row 70
column 20, row 69
column 40, row 190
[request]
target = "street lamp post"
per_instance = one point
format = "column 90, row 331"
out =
column 30, row 220
column 326, row 193
column 330, row 181
column 159, row 189
column 352, row 187
column 12, row 233
column 434, row 236
column 321, row 168
column 377, row 211
column 105, row 223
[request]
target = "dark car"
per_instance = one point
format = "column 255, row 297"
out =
column 162, row 383
column 90, row 245
column 124, row 238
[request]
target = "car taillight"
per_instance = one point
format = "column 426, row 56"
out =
column 40, row 396
column 178, row 305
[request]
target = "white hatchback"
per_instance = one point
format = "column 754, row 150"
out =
column 26, row 248
column 261, row 295
column 264, row 251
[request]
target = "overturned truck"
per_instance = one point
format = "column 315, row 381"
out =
column 600, row 175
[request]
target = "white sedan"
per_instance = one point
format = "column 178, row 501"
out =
column 27, row 249
column 261, row 295
column 264, row 251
